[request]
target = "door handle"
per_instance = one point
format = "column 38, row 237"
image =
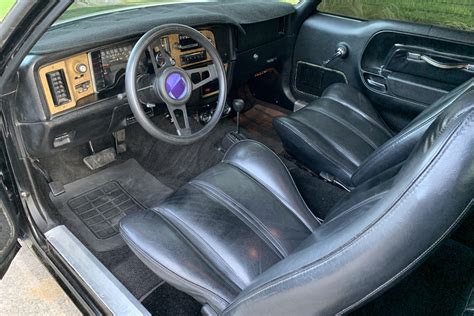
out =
column 441, row 65
column 377, row 85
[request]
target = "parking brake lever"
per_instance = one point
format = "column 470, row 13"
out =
column 341, row 52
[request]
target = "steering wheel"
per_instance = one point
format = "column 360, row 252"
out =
column 172, row 85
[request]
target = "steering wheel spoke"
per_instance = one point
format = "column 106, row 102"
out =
column 210, row 69
column 182, row 131
column 172, row 85
column 153, row 59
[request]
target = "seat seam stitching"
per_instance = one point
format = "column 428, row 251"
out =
column 169, row 272
column 226, row 279
column 360, row 204
column 417, row 259
column 375, row 224
column 380, row 154
column 412, row 130
column 361, row 113
column 345, row 123
column 344, row 168
column 277, row 196
column 337, row 147
column 258, row 225
column 290, row 177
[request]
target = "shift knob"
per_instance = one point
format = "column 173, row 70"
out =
column 238, row 105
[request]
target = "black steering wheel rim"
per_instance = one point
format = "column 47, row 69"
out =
column 142, row 118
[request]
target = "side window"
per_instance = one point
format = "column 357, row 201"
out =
column 5, row 7
column 458, row 14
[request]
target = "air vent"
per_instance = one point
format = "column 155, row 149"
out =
column 58, row 87
column 98, row 70
column 282, row 26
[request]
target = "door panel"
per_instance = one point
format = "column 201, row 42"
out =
column 415, row 68
column 401, row 67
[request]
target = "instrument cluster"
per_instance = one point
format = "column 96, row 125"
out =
column 67, row 81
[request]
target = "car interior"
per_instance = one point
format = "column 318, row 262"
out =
column 268, row 158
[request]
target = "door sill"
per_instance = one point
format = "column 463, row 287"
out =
column 97, row 279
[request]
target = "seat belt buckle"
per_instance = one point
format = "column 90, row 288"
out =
column 326, row 176
column 331, row 179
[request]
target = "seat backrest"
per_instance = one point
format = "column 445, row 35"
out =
column 380, row 232
column 398, row 148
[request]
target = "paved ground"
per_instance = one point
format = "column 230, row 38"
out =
column 29, row 289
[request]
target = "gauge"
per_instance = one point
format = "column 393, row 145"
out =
column 80, row 68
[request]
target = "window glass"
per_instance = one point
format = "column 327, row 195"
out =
column 82, row 8
column 5, row 6
column 457, row 14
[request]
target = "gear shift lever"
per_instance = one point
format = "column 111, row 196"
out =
column 238, row 105
column 234, row 136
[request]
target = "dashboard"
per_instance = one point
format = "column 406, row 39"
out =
column 67, row 81
column 71, row 87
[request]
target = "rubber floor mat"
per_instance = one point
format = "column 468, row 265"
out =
column 92, row 207
column 102, row 208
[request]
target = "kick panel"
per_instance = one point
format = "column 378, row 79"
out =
column 314, row 79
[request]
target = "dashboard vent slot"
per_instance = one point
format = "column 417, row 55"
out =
column 58, row 87
column 98, row 70
column 282, row 26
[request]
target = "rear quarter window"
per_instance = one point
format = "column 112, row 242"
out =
column 458, row 14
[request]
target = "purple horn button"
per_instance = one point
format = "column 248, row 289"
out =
column 176, row 86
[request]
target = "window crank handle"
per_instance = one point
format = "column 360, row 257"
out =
column 341, row 52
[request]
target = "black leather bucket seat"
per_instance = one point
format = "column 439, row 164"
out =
column 343, row 135
column 240, row 239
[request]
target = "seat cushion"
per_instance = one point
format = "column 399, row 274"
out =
column 335, row 133
column 240, row 238
column 342, row 134
column 217, row 233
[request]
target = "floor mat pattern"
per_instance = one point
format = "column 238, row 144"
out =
column 92, row 207
column 102, row 208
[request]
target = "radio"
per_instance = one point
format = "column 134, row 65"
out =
column 187, row 43
column 193, row 58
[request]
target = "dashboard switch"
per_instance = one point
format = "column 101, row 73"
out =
column 58, row 87
column 83, row 87
column 81, row 68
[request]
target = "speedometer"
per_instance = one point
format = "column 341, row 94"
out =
column 109, row 63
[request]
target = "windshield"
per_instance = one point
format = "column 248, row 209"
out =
column 82, row 8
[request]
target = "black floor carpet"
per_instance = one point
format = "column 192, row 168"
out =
column 92, row 208
column 166, row 300
column 175, row 165
column 67, row 166
column 439, row 286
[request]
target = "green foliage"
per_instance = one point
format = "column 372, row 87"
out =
column 5, row 6
column 447, row 13
column 85, row 7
